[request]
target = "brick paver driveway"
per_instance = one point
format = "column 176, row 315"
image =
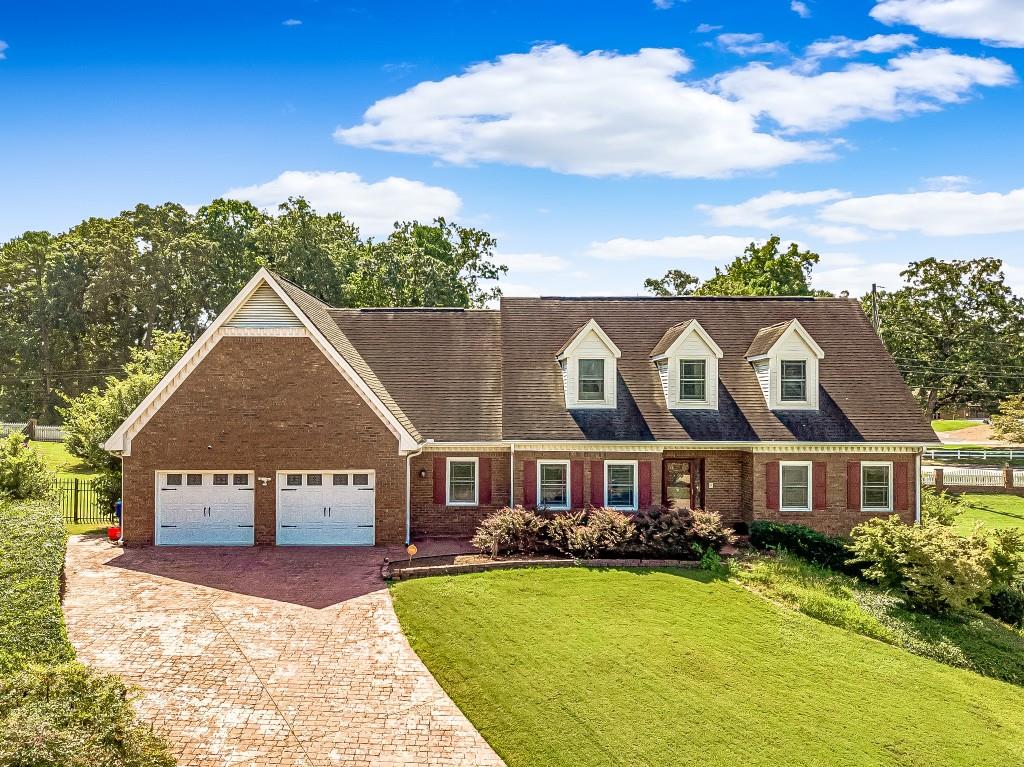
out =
column 264, row 656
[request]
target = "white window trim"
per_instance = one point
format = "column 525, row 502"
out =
column 568, row 485
column 578, row 362
column 876, row 509
column 673, row 357
column 810, row 486
column 636, row 484
column 710, row 401
column 448, row 481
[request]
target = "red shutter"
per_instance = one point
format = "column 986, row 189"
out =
column 901, row 482
column 597, row 484
column 771, row 485
column 576, row 472
column 820, row 485
column 853, row 485
column 439, row 479
column 645, row 484
column 529, row 484
column 485, row 480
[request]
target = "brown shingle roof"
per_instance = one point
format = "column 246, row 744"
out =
column 483, row 375
column 863, row 398
column 444, row 367
column 669, row 338
column 766, row 338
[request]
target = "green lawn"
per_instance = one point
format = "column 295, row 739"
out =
column 614, row 667
column 992, row 510
column 953, row 425
column 60, row 461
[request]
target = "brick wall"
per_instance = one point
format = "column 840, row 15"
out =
column 264, row 404
column 431, row 519
column 836, row 518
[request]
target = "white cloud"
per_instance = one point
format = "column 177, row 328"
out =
column 914, row 82
column 373, row 207
column 718, row 248
column 3, row 47
column 703, row 29
column 292, row 23
column 996, row 22
column 942, row 214
column 519, row 289
column 596, row 114
column 800, row 9
column 837, row 272
column 947, row 183
column 663, row 5
column 749, row 43
column 532, row 262
column 758, row 211
column 835, row 235
column 842, row 47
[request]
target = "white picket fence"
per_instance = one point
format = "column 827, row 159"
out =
column 43, row 433
column 967, row 477
column 978, row 455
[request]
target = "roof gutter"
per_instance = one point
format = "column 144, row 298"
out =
column 917, row 495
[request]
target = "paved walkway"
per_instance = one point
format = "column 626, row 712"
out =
column 264, row 656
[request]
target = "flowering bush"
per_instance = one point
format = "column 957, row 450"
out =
column 510, row 530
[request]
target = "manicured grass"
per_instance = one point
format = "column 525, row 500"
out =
column 613, row 667
column 86, row 528
column 992, row 511
column 953, row 425
column 975, row 642
column 61, row 462
column 32, row 541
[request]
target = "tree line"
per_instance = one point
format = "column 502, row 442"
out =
column 74, row 305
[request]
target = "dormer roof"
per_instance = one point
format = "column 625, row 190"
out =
column 581, row 333
column 768, row 338
column 677, row 334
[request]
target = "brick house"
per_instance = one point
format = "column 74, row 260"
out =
column 291, row 422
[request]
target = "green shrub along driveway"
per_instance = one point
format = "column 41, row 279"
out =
column 613, row 667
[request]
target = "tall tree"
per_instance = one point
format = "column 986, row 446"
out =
column 956, row 331
column 442, row 264
column 761, row 270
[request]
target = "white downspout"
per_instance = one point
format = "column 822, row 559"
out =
column 408, row 492
column 917, row 494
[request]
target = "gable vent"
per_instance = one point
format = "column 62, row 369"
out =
column 264, row 309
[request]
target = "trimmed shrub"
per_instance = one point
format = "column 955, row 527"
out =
column 611, row 530
column 940, row 508
column 71, row 716
column 569, row 534
column 510, row 530
column 810, row 545
column 662, row 531
column 706, row 532
column 32, row 540
column 23, row 473
column 1007, row 604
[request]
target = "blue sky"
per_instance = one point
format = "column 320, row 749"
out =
column 601, row 143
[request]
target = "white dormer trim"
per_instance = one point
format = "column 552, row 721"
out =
column 693, row 343
column 589, row 342
column 120, row 441
column 797, row 345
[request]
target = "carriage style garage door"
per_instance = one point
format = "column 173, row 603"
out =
column 325, row 508
column 204, row 508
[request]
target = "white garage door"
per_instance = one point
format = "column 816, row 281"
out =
column 325, row 508
column 204, row 508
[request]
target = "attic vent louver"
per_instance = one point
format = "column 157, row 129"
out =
column 264, row 309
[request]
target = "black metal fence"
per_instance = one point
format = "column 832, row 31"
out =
column 79, row 501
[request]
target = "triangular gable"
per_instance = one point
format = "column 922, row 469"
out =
column 240, row 316
column 676, row 336
column 577, row 338
column 767, row 339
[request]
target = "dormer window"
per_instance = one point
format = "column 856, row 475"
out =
column 686, row 358
column 591, row 381
column 588, row 362
column 785, row 360
column 793, row 380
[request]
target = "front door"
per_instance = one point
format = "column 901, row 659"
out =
column 683, row 483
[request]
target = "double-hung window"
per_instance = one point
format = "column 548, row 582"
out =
column 793, row 380
column 693, row 383
column 795, row 485
column 553, row 485
column 620, row 490
column 591, row 380
column 462, row 482
column 876, row 486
